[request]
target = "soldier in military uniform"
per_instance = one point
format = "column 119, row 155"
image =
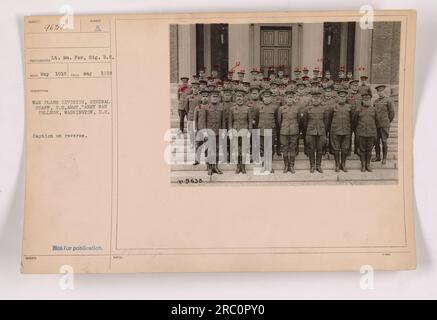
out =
column 265, row 84
column 215, row 73
column 246, row 87
column 341, row 74
column 183, row 87
column 328, row 100
column 278, row 100
column 281, row 91
column 306, row 81
column 240, row 75
column 240, row 118
column 291, row 86
column 266, row 121
column 330, row 82
column 289, row 120
column 315, row 122
column 314, row 85
column 183, row 92
column 306, row 72
column 354, row 99
column 349, row 76
column 338, row 85
column 297, row 74
column 386, row 113
column 316, row 72
column 253, row 103
column 254, row 80
column 200, row 123
column 366, row 118
column 364, row 87
column 203, row 85
column 280, row 73
column 340, row 123
column 214, row 123
column 226, row 105
column 192, row 101
column 202, row 73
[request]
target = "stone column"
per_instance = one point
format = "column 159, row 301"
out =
column 312, row 45
column 174, row 72
column 187, row 50
column 257, row 46
column 239, row 46
column 296, row 59
column 343, row 44
column 363, row 50
column 207, row 47
column 385, row 52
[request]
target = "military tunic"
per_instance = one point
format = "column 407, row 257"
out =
column 365, row 118
column 192, row 101
column 200, row 116
column 254, row 107
column 354, row 99
column 266, row 117
column 385, row 115
column 214, row 122
column 302, row 100
column 362, row 89
column 240, row 118
column 200, row 126
column 340, row 127
column 289, row 123
column 182, row 108
column 315, row 120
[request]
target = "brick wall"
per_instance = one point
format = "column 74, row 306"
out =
column 385, row 52
column 174, row 53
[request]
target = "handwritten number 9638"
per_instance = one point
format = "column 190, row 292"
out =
column 190, row 181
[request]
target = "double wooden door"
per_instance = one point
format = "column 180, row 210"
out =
column 276, row 48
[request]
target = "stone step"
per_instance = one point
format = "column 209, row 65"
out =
column 179, row 138
column 181, row 142
column 175, row 116
column 301, row 164
column 175, row 124
column 181, row 149
column 179, row 158
column 300, row 177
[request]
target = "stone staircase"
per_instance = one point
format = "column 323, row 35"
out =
column 183, row 172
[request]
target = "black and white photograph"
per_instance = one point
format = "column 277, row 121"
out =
column 298, row 103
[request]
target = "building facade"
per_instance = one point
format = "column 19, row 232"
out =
column 328, row 46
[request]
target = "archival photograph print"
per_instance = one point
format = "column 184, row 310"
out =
column 298, row 103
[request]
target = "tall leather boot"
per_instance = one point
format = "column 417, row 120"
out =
column 368, row 158
column 291, row 164
column 377, row 152
column 285, row 164
column 278, row 150
column 384, row 154
column 337, row 161
column 243, row 169
column 209, row 167
column 216, row 169
column 238, row 170
column 312, row 162
column 319, row 162
column 343, row 161
column 363, row 161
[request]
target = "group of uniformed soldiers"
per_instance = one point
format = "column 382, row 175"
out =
column 326, row 113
